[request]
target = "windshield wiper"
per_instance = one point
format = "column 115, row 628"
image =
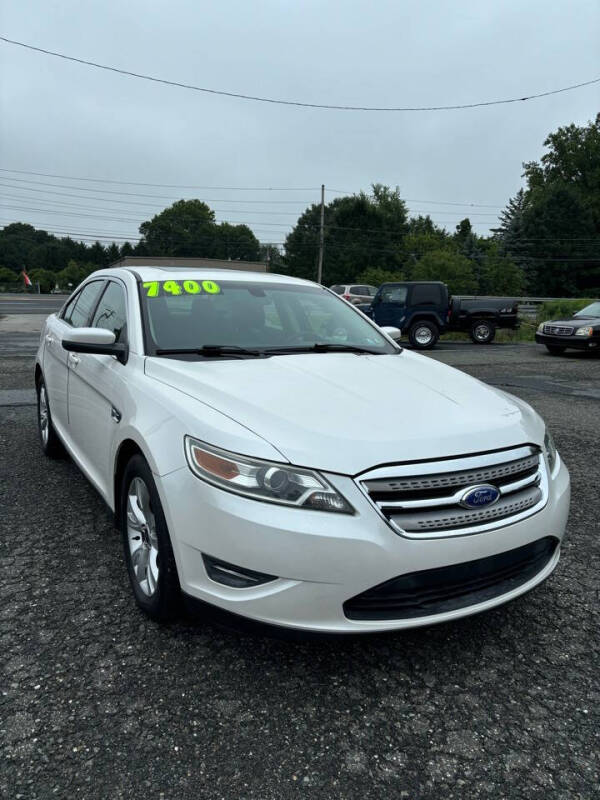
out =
column 324, row 347
column 209, row 351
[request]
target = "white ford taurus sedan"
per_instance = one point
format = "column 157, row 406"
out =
column 271, row 452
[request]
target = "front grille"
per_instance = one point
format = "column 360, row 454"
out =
column 425, row 499
column 444, row 589
column 558, row 330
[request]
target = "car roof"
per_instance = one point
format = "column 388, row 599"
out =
column 164, row 273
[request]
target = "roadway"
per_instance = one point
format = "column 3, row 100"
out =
column 31, row 303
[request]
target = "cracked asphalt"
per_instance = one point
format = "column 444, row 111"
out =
column 99, row 702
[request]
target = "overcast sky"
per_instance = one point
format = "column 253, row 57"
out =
column 68, row 119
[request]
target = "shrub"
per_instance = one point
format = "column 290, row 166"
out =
column 561, row 309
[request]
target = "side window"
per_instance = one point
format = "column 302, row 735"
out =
column 66, row 315
column 358, row 290
column 426, row 296
column 394, row 294
column 112, row 312
column 77, row 313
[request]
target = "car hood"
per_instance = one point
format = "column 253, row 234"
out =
column 574, row 322
column 346, row 413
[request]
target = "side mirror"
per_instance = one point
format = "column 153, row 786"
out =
column 393, row 333
column 95, row 340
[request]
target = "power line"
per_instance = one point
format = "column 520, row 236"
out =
column 170, row 185
column 273, row 101
column 349, row 192
column 308, row 201
column 238, row 210
column 123, row 202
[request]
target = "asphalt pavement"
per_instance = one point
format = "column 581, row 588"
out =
column 99, row 702
column 31, row 303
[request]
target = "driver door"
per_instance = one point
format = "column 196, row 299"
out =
column 56, row 359
column 390, row 306
column 97, row 389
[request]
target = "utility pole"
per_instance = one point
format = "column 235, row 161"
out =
column 321, row 235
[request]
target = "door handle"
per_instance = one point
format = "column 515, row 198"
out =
column 49, row 339
column 115, row 414
column 73, row 360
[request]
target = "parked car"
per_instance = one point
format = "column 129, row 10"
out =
column 580, row 332
column 425, row 310
column 355, row 293
column 269, row 451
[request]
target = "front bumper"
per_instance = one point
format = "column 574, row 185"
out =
column 576, row 342
column 323, row 559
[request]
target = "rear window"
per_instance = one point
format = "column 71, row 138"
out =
column 337, row 289
column 430, row 295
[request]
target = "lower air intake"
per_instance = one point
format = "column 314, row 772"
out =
column 437, row 591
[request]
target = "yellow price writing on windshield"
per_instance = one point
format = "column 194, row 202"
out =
column 174, row 288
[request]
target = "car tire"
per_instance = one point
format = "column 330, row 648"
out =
column 423, row 335
column 51, row 444
column 555, row 349
column 483, row 331
column 147, row 544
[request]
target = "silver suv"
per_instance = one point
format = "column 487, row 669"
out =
column 355, row 293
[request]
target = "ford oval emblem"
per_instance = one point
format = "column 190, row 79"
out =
column 477, row 496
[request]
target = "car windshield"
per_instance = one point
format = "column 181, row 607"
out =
column 258, row 317
column 593, row 310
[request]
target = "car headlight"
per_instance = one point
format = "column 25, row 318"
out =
column 263, row 480
column 587, row 330
column 540, row 328
column 551, row 453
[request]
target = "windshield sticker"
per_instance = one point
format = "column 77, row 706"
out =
column 173, row 288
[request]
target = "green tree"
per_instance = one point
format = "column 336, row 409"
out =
column 374, row 276
column 45, row 278
column 500, row 275
column 70, row 276
column 423, row 236
column 112, row 253
column 361, row 232
column 8, row 277
column 22, row 244
column 552, row 229
column 188, row 228
column 449, row 266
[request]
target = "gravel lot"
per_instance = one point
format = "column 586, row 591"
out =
column 98, row 702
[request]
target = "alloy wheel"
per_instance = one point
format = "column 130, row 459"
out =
column 141, row 536
column 44, row 418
